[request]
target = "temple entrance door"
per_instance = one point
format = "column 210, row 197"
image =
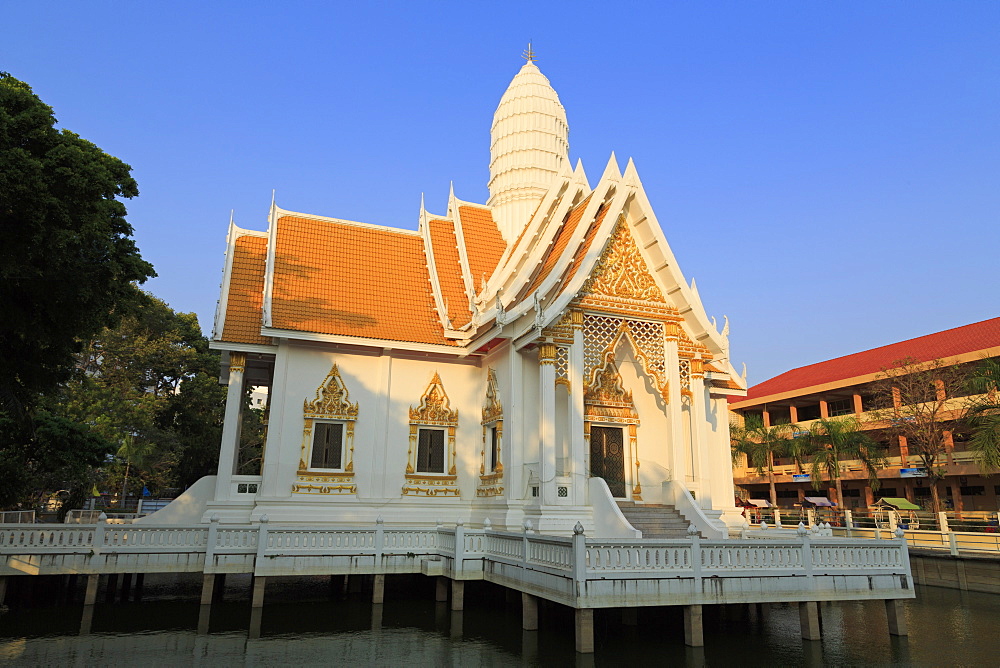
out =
column 607, row 457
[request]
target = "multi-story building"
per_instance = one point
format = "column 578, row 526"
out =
column 847, row 386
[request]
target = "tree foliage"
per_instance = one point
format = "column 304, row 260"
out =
column 761, row 445
column 920, row 401
column 836, row 440
column 984, row 414
column 67, row 261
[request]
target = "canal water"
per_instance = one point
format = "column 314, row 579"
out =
column 319, row 621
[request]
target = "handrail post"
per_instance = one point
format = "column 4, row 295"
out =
column 695, row 556
column 893, row 521
column 379, row 539
column 459, row 563
column 943, row 522
column 579, row 554
column 953, row 543
column 524, row 541
column 849, row 522
column 213, row 537
column 807, row 555
column 99, row 529
column 261, row 541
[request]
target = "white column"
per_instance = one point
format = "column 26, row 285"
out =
column 675, row 415
column 229, row 448
column 273, row 452
column 578, row 452
column 513, row 426
column 699, row 428
column 377, row 474
column 546, row 417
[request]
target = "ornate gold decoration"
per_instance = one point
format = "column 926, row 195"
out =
column 237, row 362
column 562, row 330
column 434, row 411
column 547, row 353
column 332, row 402
column 490, row 491
column 492, row 409
column 324, row 489
column 492, row 417
column 697, row 368
column 621, row 270
column 576, row 318
column 605, row 400
column 435, row 406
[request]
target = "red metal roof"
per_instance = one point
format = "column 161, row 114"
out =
column 949, row 343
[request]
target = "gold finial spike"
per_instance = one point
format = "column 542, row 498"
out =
column 528, row 54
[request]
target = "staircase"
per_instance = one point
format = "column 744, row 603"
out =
column 655, row 521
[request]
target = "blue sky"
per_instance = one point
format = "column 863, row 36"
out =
column 828, row 172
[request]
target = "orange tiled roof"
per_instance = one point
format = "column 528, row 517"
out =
column 449, row 270
column 246, row 292
column 483, row 242
column 558, row 245
column 588, row 241
column 337, row 278
column 949, row 343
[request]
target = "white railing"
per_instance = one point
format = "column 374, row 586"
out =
column 17, row 517
column 573, row 557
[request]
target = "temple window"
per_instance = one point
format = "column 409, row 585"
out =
column 430, row 451
column 328, row 445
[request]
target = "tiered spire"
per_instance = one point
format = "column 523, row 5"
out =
column 529, row 145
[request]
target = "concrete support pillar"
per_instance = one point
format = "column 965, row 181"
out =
column 257, row 600
column 824, row 409
column 858, row 405
column 207, row 588
column 547, row 416
column 694, row 635
column 809, row 620
column 896, row 616
column 793, row 414
column 3, row 588
column 529, row 612
column 457, row 595
column 441, row 589
column 90, row 597
column 585, row 630
column 378, row 589
column 229, row 448
column 140, row 580
column 204, row 617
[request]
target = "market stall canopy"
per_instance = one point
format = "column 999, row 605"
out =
column 820, row 501
column 760, row 503
column 898, row 504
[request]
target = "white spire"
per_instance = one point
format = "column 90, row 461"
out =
column 529, row 145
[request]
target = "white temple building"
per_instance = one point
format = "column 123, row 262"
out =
column 537, row 358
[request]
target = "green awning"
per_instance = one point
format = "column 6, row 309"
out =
column 898, row 504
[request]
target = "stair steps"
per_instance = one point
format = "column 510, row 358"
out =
column 655, row 521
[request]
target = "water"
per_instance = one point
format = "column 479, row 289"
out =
column 311, row 621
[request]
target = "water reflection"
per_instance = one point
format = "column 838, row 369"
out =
column 309, row 623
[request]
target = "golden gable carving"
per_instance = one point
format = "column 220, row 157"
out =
column 492, row 409
column 621, row 271
column 332, row 400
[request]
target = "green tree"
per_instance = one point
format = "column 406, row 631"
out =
column 150, row 386
column 984, row 414
column 67, row 260
column 761, row 445
column 836, row 440
column 921, row 401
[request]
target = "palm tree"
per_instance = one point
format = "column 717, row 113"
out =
column 984, row 414
column 761, row 445
column 839, row 439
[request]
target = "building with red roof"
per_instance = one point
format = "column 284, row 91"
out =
column 845, row 386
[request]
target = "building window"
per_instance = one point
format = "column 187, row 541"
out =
column 810, row 412
column 888, row 492
column 430, row 451
column 972, row 490
column 840, row 407
column 328, row 445
column 494, row 449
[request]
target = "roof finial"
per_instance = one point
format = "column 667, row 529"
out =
column 528, row 54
